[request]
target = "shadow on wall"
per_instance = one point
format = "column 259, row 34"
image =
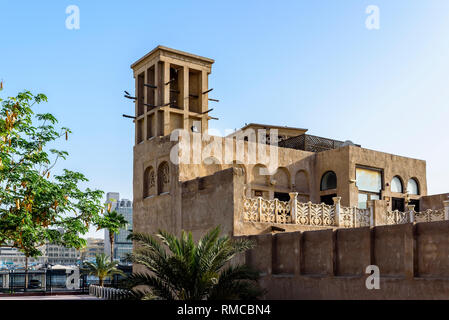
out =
column 331, row 264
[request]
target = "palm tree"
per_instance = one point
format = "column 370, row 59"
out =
column 102, row 268
column 192, row 271
column 113, row 222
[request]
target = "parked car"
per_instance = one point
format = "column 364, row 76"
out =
column 34, row 284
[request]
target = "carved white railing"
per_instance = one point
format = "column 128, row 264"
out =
column 363, row 217
column 429, row 215
column 308, row 214
column 282, row 212
column 315, row 214
column 347, row 217
column 251, row 209
column 397, row 217
column 263, row 210
column 322, row 215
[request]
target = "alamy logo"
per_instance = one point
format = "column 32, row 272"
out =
column 72, row 22
column 373, row 280
column 247, row 147
column 372, row 22
column 73, row 278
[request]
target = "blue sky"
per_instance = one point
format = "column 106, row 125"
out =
column 310, row 64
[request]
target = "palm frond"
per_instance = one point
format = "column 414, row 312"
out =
column 179, row 268
column 158, row 288
column 102, row 267
column 237, row 282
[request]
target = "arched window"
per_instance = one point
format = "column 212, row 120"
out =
column 257, row 176
column 163, row 178
column 412, row 186
column 396, row 185
column 211, row 165
column 281, row 182
column 302, row 182
column 329, row 181
column 149, row 182
column 242, row 167
column 282, row 178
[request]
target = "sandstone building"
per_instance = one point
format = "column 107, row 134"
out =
column 172, row 93
column 261, row 179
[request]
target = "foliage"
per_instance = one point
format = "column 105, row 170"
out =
column 113, row 222
column 101, row 268
column 36, row 206
column 192, row 271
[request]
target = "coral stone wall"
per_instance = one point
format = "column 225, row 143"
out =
column 433, row 202
column 331, row 264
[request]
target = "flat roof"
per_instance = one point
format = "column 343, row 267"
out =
column 271, row 126
column 163, row 48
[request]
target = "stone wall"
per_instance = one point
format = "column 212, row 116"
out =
column 300, row 171
column 392, row 165
column 433, row 202
column 208, row 202
column 331, row 264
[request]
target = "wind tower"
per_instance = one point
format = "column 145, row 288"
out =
column 171, row 92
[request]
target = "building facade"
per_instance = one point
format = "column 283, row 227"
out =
column 61, row 255
column 261, row 178
column 122, row 246
column 51, row 255
column 92, row 249
column 11, row 258
column 316, row 207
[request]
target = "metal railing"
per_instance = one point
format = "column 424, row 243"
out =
column 50, row 281
column 108, row 293
column 311, row 143
column 40, row 281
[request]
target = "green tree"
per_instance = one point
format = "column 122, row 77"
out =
column 113, row 222
column 35, row 206
column 102, row 268
column 190, row 271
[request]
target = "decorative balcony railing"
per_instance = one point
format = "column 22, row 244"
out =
column 308, row 214
column 263, row 210
column 429, row 215
column 315, row 214
column 322, row 215
column 398, row 217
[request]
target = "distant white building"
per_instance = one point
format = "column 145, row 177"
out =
column 51, row 254
column 61, row 255
column 12, row 257
column 94, row 247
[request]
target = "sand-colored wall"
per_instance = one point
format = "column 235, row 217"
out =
column 208, row 202
column 157, row 211
column 336, row 160
column 165, row 211
column 434, row 202
column 331, row 264
column 343, row 162
column 289, row 159
column 185, row 203
column 185, row 206
column 392, row 165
